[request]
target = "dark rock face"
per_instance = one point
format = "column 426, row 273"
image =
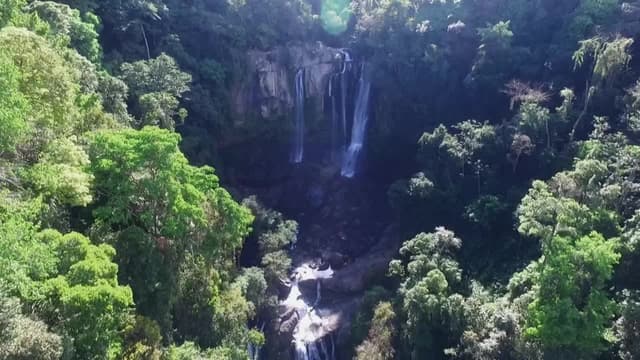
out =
column 267, row 87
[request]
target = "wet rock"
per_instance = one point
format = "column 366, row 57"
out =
column 288, row 321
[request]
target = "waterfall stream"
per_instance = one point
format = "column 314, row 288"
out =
column 297, row 151
column 360, row 120
column 311, row 331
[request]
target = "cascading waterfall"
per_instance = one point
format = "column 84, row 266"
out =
column 297, row 151
column 344, row 89
column 309, row 335
column 360, row 120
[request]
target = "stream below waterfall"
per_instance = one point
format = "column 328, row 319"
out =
column 312, row 335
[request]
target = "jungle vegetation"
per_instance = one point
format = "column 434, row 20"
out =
column 507, row 133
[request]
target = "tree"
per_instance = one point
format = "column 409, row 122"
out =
column 274, row 235
column 60, row 174
column 80, row 32
column 608, row 58
column 85, row 298
column 69, row 282
column 24, row 338
column 13, row 106
column 431, row 278
column 157, row 85
column 159, row 205
column 379, row 343
column 533, row 120
column 572, row 310
column 46, row 83
column 493, row 326
column 627, row 327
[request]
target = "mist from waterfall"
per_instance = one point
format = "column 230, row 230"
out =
column 297, row 151
column 358, row 131
column 309, row 335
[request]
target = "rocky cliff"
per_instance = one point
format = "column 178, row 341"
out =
column 265, row 90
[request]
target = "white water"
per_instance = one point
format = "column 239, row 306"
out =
column 297, row 151
column 360, row 120
column 310, row 332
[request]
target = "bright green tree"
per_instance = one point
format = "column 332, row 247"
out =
column 13, row 106
column 80, row 32
column 159, row 205
column 572, row 309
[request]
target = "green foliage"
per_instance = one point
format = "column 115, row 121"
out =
column 431, row 278
column 572, row 309
column 497, row 34
column 274, row 235
column 543, row 215
column 71, row 283
column 493, row 327
column 46, row 83
column 403, row 193
column 24, row 338
column 533, row 120
column 362, row 319
column 142, row 340
column 81, row 32
column 161, row 109
column 253, row 284
column 181, row 213
column 114, row 96
column 13, row 106
column 626, row 327
column 157, row 85
column 487, row 210
column 85, row 296
column 609, row 58
column 445, row 156
column 156, row 75
column 268, row 22
column 60, row 173
column 173, row 199
column 379, row 343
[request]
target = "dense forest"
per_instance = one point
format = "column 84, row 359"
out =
column 319, row 179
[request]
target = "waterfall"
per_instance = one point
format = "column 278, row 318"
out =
column 360, row 120
column 344, row 90
column 309, row 335
column 297, row 151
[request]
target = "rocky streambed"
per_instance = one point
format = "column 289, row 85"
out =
column 322, row 296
